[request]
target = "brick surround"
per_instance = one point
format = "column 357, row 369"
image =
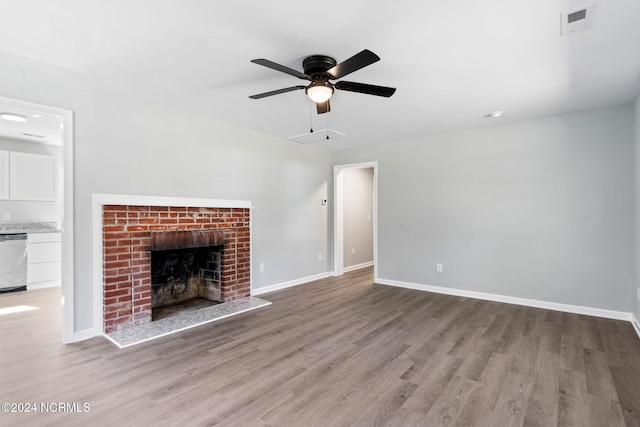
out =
column 126, row 234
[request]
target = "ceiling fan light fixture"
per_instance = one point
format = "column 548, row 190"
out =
column 319, row 92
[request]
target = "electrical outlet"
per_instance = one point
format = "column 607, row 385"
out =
column 638, row 293
column 261, row 267
column 353, row 251
column 6, row 216
column 319, row 257
column 439, row 268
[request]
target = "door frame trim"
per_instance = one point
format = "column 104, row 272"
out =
column 66, row 173
column 338, row 214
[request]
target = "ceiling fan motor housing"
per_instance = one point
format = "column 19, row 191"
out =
column 317, row 64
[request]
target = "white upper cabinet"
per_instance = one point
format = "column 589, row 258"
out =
column 4, row 175
column 32, row 177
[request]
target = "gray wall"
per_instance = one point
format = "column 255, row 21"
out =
column 636, row 284
column 541, row 209
column 24, row 211
column 358, row 216
column 127, row 146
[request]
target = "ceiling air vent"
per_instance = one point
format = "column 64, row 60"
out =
column 317, row 136
column 577, row 16
column 577, row 20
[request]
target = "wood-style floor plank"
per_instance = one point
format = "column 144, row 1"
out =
column 341, row 351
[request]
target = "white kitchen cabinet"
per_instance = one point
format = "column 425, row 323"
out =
column 32, row 177
column 44, row 267
column 4, row 175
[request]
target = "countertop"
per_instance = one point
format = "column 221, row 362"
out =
column 30, row 227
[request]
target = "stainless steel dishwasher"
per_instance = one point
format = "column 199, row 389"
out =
column 13, row 262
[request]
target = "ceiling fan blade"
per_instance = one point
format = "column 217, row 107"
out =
column 276, row 92
column 281, row 68
column 357, row 61
column 323, row 107
column 365, row 88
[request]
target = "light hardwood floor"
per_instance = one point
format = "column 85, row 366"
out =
column 339, row 351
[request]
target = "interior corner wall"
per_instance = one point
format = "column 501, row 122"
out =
column 635, row 288
column 125, row 145
column 539, row 209
column 357, row 214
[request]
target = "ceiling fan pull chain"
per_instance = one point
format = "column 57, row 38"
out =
column 311, row 118
column 327, row 126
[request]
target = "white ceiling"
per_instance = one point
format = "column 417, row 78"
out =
column 452, row 62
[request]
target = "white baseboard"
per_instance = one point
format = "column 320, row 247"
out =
column 635, row 324
column 357, row 266
column 284, row 285
column 589, row 311
column 83, row 335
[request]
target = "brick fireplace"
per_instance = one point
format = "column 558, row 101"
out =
column 128, row 233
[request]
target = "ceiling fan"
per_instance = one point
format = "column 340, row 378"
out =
column 319, row 69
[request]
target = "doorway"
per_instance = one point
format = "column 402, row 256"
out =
column 367, row 215
column 59, row 126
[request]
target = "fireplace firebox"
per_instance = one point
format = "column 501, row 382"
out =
column 185, row 265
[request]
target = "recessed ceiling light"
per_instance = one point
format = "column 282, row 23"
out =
column 12, row 117
column 495, row 115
